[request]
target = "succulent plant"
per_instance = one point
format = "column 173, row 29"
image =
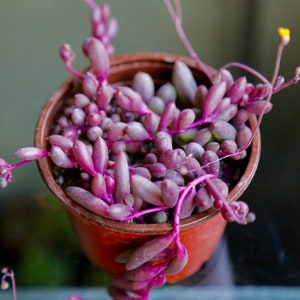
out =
column 151, row 154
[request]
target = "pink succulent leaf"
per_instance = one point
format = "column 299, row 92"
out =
column 62, row 142
column 100, row 155
column 237, row 90
column 146, row 190
column 31, row 153
column 148, row 250
column 121, row 176
column 60, row 158
column 212, row 99
column 178, row 261
column 184, row 82
column 83, row 157
column 99, row 59
column 146, row 271
column 131, row 101
column 87, row 200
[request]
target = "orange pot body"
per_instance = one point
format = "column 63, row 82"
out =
column 102, row 239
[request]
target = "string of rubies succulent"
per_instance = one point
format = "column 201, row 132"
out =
column 147, row 154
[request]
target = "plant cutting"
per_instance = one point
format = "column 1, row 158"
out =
column 166, row 146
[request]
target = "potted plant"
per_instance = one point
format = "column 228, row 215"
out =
column 149, row 153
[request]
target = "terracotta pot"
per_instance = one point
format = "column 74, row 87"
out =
column 102, row 239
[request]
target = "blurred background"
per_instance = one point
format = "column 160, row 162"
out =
column 35, row 237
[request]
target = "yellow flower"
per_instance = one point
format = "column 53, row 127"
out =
column 284, row 34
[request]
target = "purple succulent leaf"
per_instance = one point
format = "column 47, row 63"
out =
column 83, row 157
column 121, row 175
column 87, row 200
column 100, row 155
column 157, row 170
column 104, row 95
column 148, row 250
column 60, row 158
column 203, row 136
column 146, row 271
column 212, row 99
column 131, row 101
column 146, row 190
column 129, row 285
column 194, row 149
column 228, row 113
column 210, row 162
column 98, row 186
column 89, row 85
column 178, row 261
column 116, row 132
column 156, row 104
column 200, row 95
column 258, row 107
column 163, row 141
column 223, row 130
column 243, row 136
column 203, row 199
column 136, row 131
column 186, row 118
column 188, row 204
column 226, row 76
column 119, row 211
column 167, row 92
column 144, row 85
column 31, row 153
column 151, row 122
column 112, row 28
column 62, row 142
column 170, row 192
column 167, row 116
column 237, row 90
column 184, row 82
column 99, row 59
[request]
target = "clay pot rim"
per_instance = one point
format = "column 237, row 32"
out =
column 119, row 62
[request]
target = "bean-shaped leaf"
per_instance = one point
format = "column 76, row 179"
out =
column 148, row 250
column 99, row 59
column 121, row 173
column 213, row 98
column 146, row 190
column 144, row 272
column 83, row 157
column 87, row 200
column 60, row 158
column 100, row 155
column 184, row 82
column 178, row 262
column 61, row 141
column 169, row 192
